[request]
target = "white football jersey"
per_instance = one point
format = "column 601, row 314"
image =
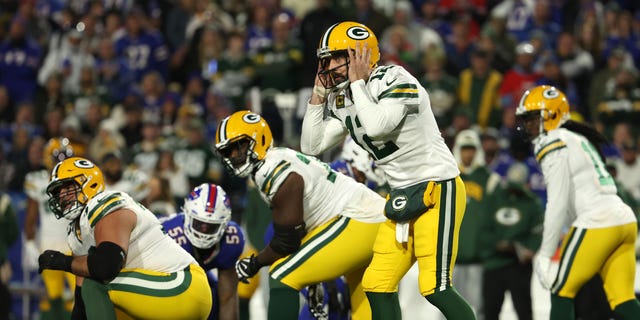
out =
column 580, row 189
column 327, row 193
column 52, row 232
column 149, row 247
column 415, row 150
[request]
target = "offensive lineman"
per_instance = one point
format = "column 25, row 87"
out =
column 124, row 264
column 325, row 223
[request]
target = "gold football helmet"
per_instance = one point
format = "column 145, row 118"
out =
column 60, row 148
column 547, row 102
column 338, row 39
column 249, row 134
column 74, row 181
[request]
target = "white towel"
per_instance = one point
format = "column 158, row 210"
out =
column 402, row 232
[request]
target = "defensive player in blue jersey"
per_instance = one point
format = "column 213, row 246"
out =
column 205, row 230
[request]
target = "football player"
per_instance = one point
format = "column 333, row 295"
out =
column 601, row 238
column 124, row 264
column 325, row 223
column 388, row 113
column 329, row 300
column 205, row 230
column 42, row 229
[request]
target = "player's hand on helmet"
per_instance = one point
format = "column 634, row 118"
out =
column 359, row 58
column 320, row 93
column 247, row 268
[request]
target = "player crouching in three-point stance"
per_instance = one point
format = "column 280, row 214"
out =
column 603, row 229
column 125, row 265
column 388, row 113
column 325, row 223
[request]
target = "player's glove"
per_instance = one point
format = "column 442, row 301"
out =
column 546, row 274
column 54, row 260
column 316, row 302
column 30, row 255
column 247, row 268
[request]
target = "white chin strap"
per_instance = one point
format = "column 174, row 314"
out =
column 341, row 86
column 244, row 170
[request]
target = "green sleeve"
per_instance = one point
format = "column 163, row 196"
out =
column 536, row 220
column 9, row 229
column 489, row 236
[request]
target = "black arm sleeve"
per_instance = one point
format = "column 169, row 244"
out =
column 287, row 239
column 106, row 262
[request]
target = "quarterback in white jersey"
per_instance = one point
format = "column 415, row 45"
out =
column 325, row 223
column 603, row 230
column 394, row 92
column 124, row 262
column 388, row 113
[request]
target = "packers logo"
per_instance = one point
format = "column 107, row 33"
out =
column 508, row 216
column 83, row 163
column 357, row 33
column 251, row 118
column 398, row 203
column 340, row 101
column 550, row 93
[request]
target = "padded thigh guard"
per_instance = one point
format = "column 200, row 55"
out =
column 287, row 239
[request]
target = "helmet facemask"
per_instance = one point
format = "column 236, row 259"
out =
column 332, row 79
column 238, row 156
column 66, row 198
column 530, row 124
column 204, row 234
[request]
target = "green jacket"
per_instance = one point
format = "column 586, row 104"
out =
column 9, row 229
column 478, row 192
column 514, row 215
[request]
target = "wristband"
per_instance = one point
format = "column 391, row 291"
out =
column 321, row 91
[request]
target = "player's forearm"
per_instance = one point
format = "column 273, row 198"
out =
column 268, row 256
column 80, row 267
column 228, row 294
column 229, row 308
column 319, row 134
column 376, row 119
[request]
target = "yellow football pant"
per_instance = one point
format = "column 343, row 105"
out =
column 144, row 294
column 433, row 242
column 342, row 246
column 607, row 251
